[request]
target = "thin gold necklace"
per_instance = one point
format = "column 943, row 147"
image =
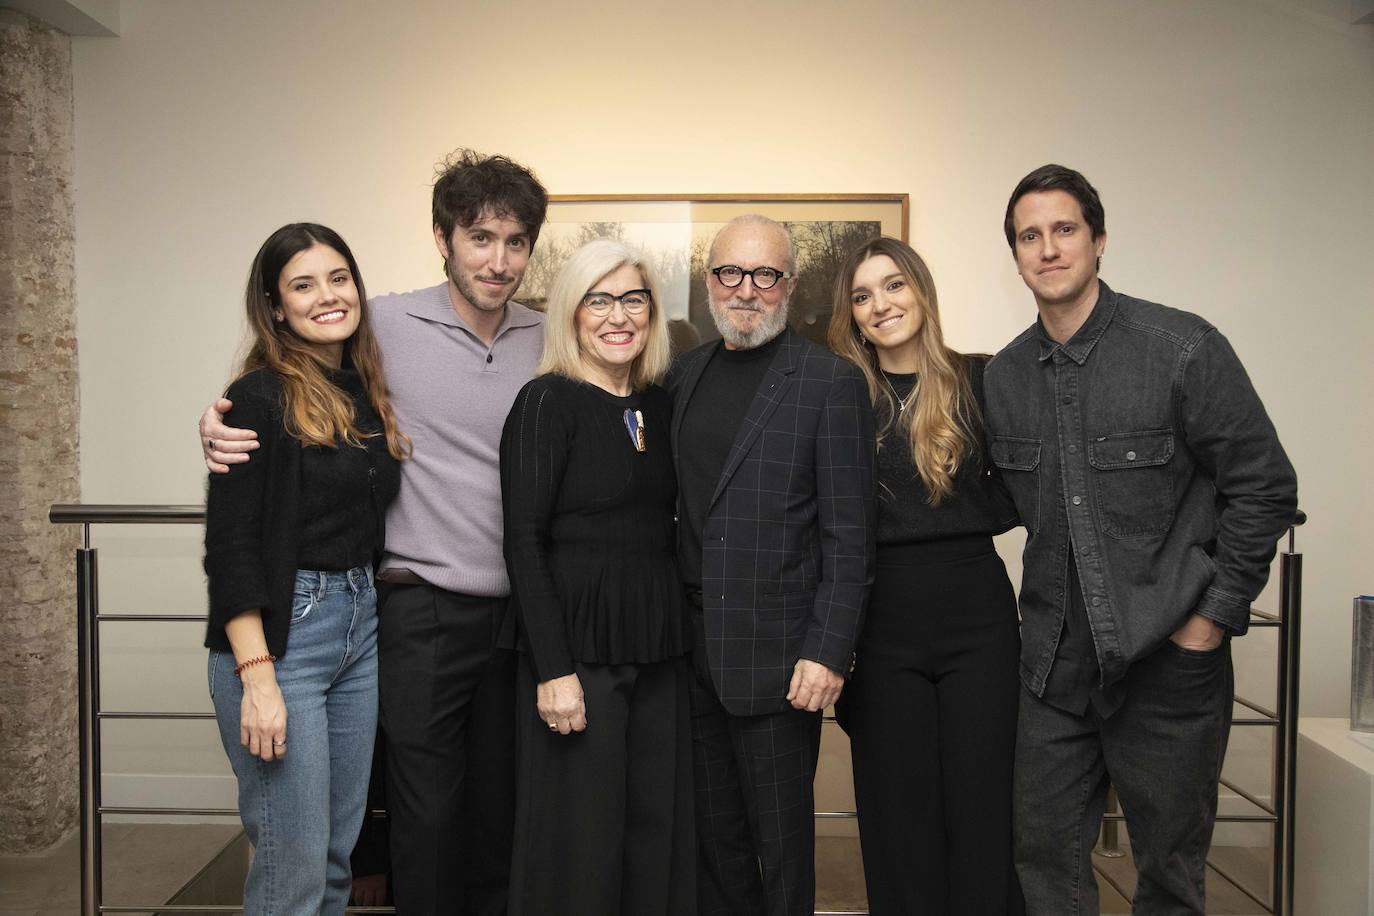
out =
column 901, row 401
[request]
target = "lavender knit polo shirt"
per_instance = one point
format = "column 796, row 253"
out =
column 451, row 393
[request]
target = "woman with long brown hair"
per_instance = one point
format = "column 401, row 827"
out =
column 931, row 707
column 290, row 542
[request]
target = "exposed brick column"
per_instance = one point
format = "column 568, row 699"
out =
column 38, row 437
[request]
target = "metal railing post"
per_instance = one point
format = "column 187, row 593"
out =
column 1286, row 751
column 1110, row 845
column 88, row 708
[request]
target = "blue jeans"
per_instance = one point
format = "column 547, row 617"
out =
column 303, row 813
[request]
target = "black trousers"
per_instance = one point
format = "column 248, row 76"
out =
column 755, row 804
column 604, row 817
column 447, row 698
column 931, row 715
column 1162, row 748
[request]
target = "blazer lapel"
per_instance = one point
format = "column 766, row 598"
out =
column 766, row 400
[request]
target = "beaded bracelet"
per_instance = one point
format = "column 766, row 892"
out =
column 257, row 660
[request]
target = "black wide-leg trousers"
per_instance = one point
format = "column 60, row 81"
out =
column 931, row 715
column 604, row 821
column 447, row 698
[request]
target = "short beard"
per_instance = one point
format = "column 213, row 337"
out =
column 469, row 294
column 769, row 327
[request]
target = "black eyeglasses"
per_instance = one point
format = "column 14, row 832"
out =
column 731, row 275
column 634, row 302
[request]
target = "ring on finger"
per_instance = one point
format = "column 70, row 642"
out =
column 210, row 444
column 553, row 726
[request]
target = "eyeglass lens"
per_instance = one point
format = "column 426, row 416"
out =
column 763, row 277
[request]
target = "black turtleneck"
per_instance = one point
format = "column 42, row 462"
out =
column 710, row 423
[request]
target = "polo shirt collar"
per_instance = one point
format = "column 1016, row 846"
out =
column 439, row 307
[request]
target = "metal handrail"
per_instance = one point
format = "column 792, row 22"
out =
column 1284, row 719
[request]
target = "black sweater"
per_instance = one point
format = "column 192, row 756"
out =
column 979, row 505
column 268, row 513
column 589, row 538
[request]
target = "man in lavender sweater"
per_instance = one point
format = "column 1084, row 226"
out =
column 455, row 356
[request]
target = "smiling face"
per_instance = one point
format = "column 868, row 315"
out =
column 1055, row 252
column 609, row 344
column 885, row 306
column 485, row 261
column 745, row 315
column 318, row 300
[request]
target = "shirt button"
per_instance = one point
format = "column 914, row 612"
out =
column 1130, row 456
column 1072, row 449
column 1085, row 550
column 488, row 357
column 1097, row 602
column 1077, row 500
column 1068, row 399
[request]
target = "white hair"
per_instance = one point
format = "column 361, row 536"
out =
column 588, row 264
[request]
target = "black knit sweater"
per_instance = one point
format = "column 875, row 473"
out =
column 269, row 513
column 590, row 543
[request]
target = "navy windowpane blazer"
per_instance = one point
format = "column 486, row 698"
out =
column 790, row 534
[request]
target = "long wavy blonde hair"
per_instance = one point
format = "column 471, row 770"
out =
column 314, row 411
column 942, row 426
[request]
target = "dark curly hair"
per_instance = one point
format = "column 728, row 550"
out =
column 468, row 184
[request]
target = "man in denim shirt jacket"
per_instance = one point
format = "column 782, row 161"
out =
column 1153, row 489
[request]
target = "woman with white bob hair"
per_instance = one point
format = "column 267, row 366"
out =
column 604, row 811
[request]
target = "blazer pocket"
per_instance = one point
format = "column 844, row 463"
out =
column 786, row 606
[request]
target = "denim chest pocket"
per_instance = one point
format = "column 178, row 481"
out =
column 1019, row 461
column 1134, row 482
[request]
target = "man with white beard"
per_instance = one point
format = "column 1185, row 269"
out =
column 773, row 439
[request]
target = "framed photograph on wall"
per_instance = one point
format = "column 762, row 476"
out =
column 675, row 231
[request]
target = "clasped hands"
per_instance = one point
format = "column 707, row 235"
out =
column 814, row 686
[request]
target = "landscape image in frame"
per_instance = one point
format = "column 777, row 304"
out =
column 675, row 232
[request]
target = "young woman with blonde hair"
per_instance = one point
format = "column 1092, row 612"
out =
column 290, row 542
column 931, row 707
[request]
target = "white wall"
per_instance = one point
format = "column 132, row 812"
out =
column 1231, row 141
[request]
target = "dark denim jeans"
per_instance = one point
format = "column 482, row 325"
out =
column 1162, row 749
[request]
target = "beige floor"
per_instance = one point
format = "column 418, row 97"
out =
column 152, row 863
column 840, row 887
column 143, row 863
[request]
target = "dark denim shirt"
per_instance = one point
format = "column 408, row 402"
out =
column 1177, row 487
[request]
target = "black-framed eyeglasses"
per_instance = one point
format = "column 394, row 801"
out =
column 731, row 275
column 634, row 302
